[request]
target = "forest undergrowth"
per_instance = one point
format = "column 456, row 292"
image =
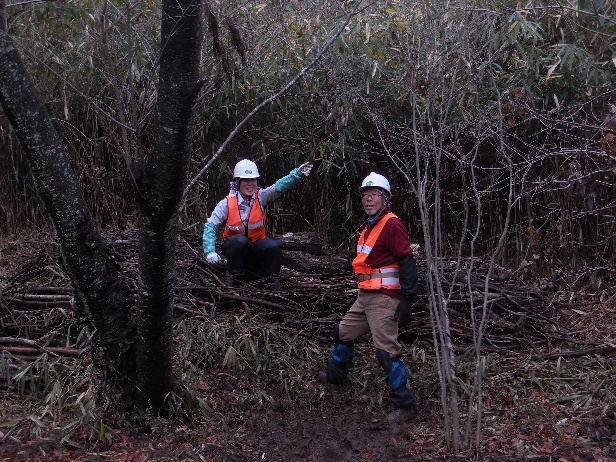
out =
column 246, row 360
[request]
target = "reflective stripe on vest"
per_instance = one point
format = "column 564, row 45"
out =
column 368, row 278
column 255, row 229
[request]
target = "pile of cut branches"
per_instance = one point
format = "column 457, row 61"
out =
column 314, row 290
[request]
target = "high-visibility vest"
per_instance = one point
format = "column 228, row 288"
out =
column 255, row 229
column 368, row 278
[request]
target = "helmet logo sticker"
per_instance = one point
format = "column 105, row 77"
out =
column 369, row 183
column 248, row 172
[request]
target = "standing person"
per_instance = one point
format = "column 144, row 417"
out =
column 387, row 278
column 242, row 212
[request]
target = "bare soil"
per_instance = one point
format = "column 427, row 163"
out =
column 549, row 394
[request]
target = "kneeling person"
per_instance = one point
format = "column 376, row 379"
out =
column 245, row 244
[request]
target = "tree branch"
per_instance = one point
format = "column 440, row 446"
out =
column 356, row 10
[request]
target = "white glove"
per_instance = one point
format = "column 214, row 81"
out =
column 305, row 168
column 212, row 257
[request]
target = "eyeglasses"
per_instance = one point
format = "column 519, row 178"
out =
column 371, row 195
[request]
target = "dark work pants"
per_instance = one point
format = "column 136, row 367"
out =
column 263, row 258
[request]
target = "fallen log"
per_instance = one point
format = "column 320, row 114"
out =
column 607, row 350
column 35, row 301
column 50, row 290
column 31, row 351
column 305, row 241
column 18, row 341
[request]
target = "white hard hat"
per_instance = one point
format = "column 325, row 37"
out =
column 245, row 169
column 375, row 180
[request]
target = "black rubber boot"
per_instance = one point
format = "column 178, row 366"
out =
column 401, row 396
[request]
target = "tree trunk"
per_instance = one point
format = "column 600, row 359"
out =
column 104, row 300
column 160, row 191
column 101, row 297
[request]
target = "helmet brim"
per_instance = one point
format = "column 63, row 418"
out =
column 383, row 190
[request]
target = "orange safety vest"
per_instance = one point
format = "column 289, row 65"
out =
column 368, row 278
column 255, row 229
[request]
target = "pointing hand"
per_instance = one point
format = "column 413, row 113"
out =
column 305, row 168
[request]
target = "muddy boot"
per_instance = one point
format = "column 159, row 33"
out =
column 340, row 359
column 274, row 282
column 338, row 365
column 231, row 279
column 321, row 377
column 400, row 415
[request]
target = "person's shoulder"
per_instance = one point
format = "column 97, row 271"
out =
column 394, row 219
column 222, row 204
column 395, row 222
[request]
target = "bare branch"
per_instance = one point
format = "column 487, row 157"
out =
column 29, row 2
column 356, row 10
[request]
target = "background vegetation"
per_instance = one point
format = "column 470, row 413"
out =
column 483, row 86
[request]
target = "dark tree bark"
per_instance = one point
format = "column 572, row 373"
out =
column 160, row 194
column 102, row 297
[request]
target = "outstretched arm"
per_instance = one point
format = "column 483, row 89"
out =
column 285, row 183
column 273, row 192
column 217, row 218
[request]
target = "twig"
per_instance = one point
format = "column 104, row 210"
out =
column 274, row 97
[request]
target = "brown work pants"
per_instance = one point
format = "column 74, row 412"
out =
column 372, row 312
